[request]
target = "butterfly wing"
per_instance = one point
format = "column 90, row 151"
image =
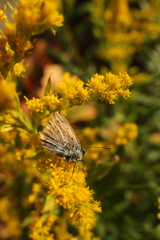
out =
column 68, row 132
column 59, row 138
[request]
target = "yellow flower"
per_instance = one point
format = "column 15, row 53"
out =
column 3, row 17
column 124, row 15
column 51, row 101
column 18, row 154
column 20, row 46
column 77, row 94
column 84, row 217
column 69, row 80
column 82, row 93
column 9, row 30
column 158, row 215
column 67, row 89
column 131, row 130
column 121, row 141
column 62, row 89
column 50, row 9
column 24, row 137
column 18, row 69
column 29, row 153
column 29, row 18
column 70, row 191
column 32, row 198
column 33, row 17
column 126, row 132
column 109, row 87
column 36, row 189
column 72, row 91
column 41, row 227
column 88, row 134
column 95, row 82
column 34, row 140
column 124, row 28
column 35, row 104
column 7, row 90
column 72, row 94
column 6, row 55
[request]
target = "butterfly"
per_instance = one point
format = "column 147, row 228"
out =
column 59, row 138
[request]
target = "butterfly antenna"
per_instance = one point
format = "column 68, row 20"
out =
column 98, row 147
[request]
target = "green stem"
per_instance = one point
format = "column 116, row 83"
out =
column 105, row 173
column 23, row 120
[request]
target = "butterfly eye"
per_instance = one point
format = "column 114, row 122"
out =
column 83, row 151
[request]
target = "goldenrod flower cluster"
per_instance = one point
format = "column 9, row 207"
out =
column 14, row 160
column 70, row 191
column 72, row 91
column 19, row 69
column 42, row 226
column 3, row 17
column 7, row 90
column 125, row 133
column 121, row 29
column 60, row 229
column 119, row 136
column 28, row 18
column 24, row 23
column 6, row 54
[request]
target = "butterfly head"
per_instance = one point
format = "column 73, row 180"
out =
column 76, row 157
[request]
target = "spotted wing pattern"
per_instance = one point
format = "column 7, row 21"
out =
column 58, row 137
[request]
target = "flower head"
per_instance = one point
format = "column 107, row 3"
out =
column 125, row 133
column 6, row 55
column 7, row 90
column 71, row 192
column 35, row 105
column 19, row 69
column 3, row 17
column 109, row 87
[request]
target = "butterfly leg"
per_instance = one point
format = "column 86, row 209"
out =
column 58, row 164
column 74, row 168
column 83, row 165
column 79, row 166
